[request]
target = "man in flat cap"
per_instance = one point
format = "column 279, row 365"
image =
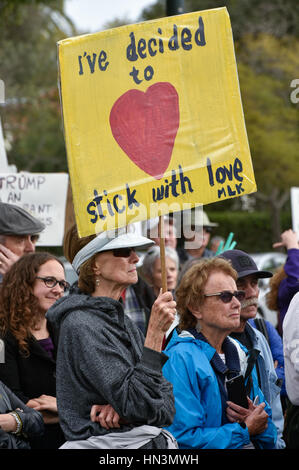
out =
column 254, row 340
column 19, row 232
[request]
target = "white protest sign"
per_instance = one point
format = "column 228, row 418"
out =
column 43, row 195
column 295, row 209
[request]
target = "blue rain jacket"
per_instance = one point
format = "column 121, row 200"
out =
column 198, row 422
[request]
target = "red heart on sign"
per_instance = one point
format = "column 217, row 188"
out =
column 145, row 126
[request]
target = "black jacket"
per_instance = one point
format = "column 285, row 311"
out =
column 32, row 376
column 146, row 297
column 32, row 421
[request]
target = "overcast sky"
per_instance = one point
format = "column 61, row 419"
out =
column 91, row 15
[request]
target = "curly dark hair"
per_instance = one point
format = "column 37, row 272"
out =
column 19, row 308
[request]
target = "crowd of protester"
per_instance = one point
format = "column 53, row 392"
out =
column 113, row 361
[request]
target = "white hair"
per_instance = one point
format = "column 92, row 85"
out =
column 150, row 257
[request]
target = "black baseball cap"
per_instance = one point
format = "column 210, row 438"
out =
column 15, row 220
column 244, row 264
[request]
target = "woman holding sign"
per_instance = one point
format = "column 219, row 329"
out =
column 103, row 358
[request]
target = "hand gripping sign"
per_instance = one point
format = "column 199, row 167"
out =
column 153, row 119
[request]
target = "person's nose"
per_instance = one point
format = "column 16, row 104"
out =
column 251, row 291
column 57, row 290
column 236, row 302
column 29, row 245
column 169, row 273
column 134, row 258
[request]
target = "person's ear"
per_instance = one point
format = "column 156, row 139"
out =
column 196, row 311
column 96, row 269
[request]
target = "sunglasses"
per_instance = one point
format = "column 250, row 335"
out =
column 52, row 282
column 122, row 252
column 226, row 296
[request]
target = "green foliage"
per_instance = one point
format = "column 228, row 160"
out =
column 252, row 230
column 276, row 17
column 266, row 66
column 157, row 10
column 38, row 143
column 31, row 117
column 266, row 36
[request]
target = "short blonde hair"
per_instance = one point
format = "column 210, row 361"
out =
column 190, row 291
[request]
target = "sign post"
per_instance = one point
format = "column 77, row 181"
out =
column 162, row 253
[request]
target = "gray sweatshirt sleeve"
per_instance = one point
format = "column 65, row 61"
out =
column 124, row 374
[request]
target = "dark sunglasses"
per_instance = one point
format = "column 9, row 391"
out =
column 122, row 252
column 226, row 296
column 52, row 282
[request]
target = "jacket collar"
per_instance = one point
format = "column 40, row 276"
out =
column 231, row 367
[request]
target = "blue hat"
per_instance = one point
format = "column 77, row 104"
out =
column 244, row 264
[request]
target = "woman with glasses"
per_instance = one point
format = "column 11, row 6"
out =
column 32, row 285
column 110, row 389
column 217, row 399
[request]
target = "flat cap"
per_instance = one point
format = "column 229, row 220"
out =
column 16, row 221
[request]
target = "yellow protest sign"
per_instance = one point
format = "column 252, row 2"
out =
column 153, row 119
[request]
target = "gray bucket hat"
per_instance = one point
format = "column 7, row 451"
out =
column 107, row 241
column 244, row 264
column 14, row 220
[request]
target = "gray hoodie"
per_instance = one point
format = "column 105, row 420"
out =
column 101, row 359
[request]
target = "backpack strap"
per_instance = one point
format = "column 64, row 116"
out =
column 261, row 326
column 252, row 358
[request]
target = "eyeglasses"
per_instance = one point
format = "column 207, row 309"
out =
column 34, row 238
column 52, row 282
column 23, row 239
column 226, row 296
column 122, row 252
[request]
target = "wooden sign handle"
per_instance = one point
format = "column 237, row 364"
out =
column 162, row 253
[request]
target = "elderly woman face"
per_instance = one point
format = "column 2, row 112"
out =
column 171, row 274
column 117, row 267
column 214, row 313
